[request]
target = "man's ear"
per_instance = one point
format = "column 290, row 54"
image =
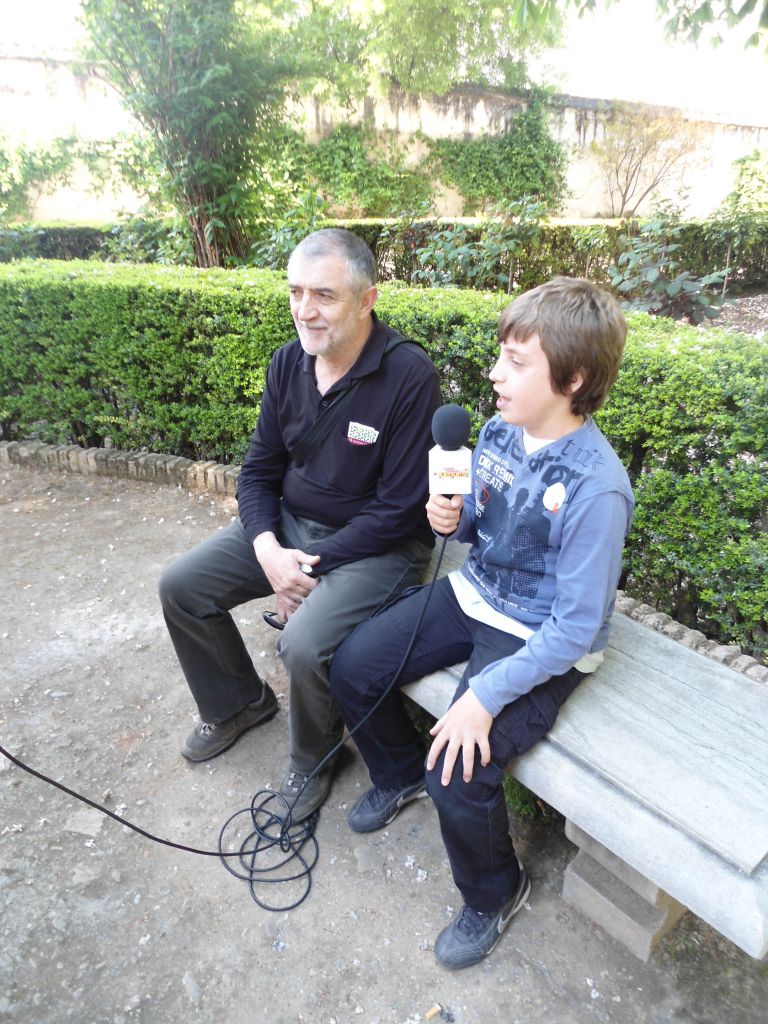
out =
column 367, row 301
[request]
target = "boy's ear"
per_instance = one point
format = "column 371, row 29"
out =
column 575, row 383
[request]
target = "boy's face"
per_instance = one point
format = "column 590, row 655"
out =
column 522, row 381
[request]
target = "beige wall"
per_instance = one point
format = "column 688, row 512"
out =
column 40, row 100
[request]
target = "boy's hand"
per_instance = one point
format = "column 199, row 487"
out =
column 465, row 725
column 444, row 513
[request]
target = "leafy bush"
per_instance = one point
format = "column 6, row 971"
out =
column 168, row 359
column 525, row 161
column 689, row 417
column 650, row 276
column 575, row 250
column 173, row 360
column 360, row 172
column 148, row 239
column 449, row 256
column 51, row 241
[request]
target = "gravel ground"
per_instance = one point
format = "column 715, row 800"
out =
column 100, row 926
column 748, row 315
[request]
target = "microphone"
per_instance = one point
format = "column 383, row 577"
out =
column 450, row 461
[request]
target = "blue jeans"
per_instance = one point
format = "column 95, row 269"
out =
column 473, row 815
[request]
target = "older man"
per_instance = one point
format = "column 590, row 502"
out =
column 331, row 500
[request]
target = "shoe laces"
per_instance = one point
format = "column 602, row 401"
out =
column 296, row 780
column 206, row 728
column 470, row 921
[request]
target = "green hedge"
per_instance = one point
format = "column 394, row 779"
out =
column 573, row 249
column 52, row 241
column 173, row 360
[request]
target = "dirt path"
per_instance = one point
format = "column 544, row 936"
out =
column 100, row 926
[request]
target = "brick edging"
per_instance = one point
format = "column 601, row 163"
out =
column 112, row 462
column 726, row 654
column 211, row 476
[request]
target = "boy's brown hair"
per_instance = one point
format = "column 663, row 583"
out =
column 581, row 330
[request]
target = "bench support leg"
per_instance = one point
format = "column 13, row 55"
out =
column 627, row 905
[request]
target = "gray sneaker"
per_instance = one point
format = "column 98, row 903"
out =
column 311, row 795
column 378, row 807
column 209, row 739
column 472, row 936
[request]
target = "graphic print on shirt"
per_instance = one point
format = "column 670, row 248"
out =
column 514, row 521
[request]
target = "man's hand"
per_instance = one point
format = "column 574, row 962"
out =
column 282, row 568
column 444, row 513
column 465, row 725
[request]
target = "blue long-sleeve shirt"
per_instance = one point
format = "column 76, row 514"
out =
column 368, row 478
column 547, row 533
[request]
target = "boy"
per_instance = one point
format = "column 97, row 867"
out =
column 530, row 608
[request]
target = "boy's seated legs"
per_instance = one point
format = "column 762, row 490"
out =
column 362, row 670
column 475, row 825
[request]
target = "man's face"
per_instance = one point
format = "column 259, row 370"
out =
column 330, row 317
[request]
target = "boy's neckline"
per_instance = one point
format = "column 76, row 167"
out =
column 533, row 444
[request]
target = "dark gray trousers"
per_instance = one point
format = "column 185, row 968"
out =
column 199, row 590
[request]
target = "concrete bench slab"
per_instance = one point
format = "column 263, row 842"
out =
column 659, row 763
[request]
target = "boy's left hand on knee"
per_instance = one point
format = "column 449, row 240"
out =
column 464, row 726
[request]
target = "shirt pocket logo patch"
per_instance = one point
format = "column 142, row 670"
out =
column 359, row 433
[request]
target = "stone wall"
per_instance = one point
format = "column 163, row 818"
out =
column 42, row 99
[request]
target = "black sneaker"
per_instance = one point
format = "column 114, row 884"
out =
column 378, row 807
column 208, row 739
column 471, row 936
column 311, row 795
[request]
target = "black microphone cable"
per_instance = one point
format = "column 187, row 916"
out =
column 270, row 834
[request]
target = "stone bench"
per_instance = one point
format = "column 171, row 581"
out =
column 659, row 764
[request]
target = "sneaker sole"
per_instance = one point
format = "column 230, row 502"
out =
column 209, row 756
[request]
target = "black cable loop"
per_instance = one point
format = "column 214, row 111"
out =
column 291, row 838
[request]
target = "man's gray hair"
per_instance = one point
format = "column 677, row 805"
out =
column 348, row 247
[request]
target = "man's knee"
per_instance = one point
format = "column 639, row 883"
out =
column 171, row 587
column 303, row 647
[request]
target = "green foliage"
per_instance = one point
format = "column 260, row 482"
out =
column 173, row 360
column 574, row 250
column 524, row 804
column 740, row 226
column 450, row 256
column 694, row 19
column 649, row 274
column 276, row 240
column 525, row 161
column 163, row 358
column 147, row 239
column 689, row 417
column 26, row 173
column 358, row 172
column 750, row 190
column 51, row 241
column 207, row 83
column 419, row 46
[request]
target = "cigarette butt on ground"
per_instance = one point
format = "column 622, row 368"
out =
column 435, row 1010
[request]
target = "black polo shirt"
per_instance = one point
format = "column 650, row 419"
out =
column 368, row 478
